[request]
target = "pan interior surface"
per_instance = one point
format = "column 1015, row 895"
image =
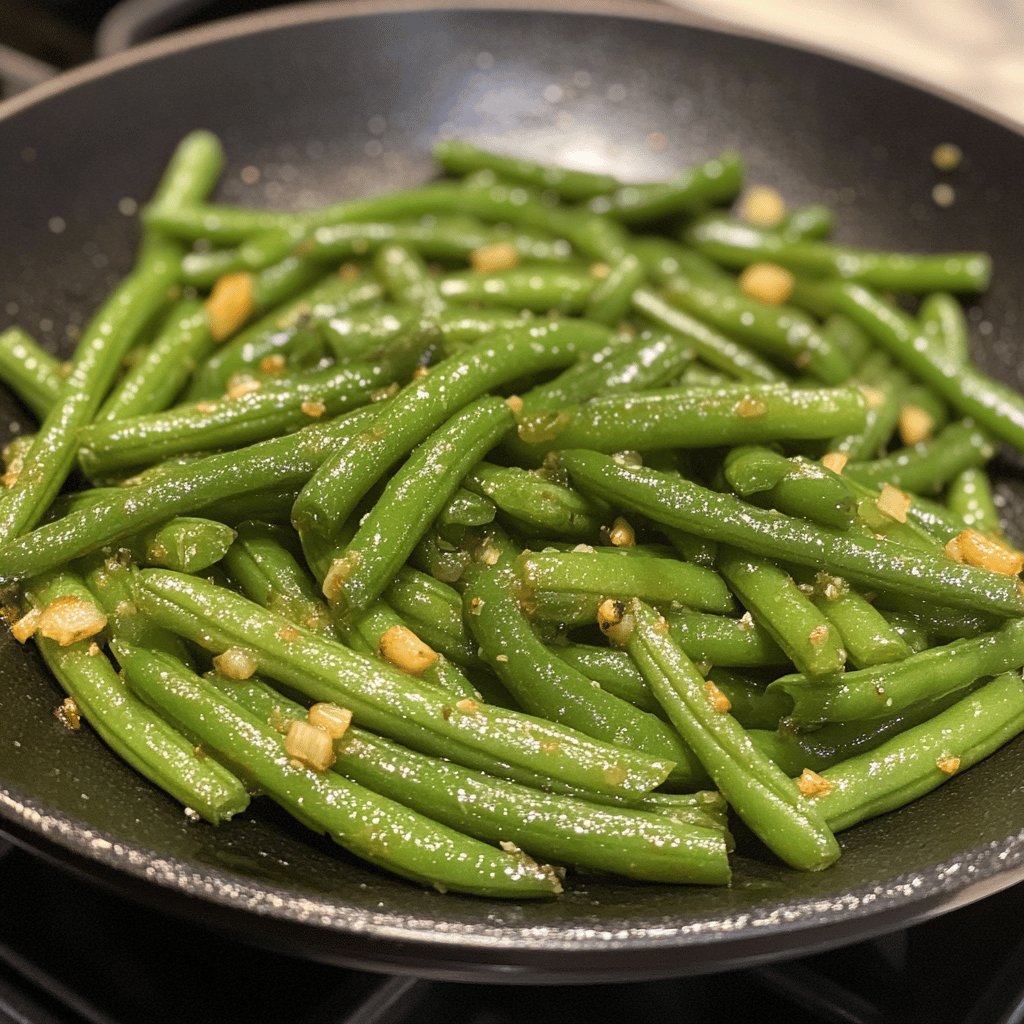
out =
column 331, row 105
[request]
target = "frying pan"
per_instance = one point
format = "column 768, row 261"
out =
column 320, row 102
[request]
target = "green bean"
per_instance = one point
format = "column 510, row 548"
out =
column 780, row 333
column 29, row 371
column 464, row 511
column 185, row 544
column 405, row 278
column 279, row 462
column 796, row 486
column 544, row 685
column 717, row 640
column 697, row 417
column 460, row 158
column 888, row 689
column 664, row 259
column 970, row 498
column 941, row 621
column 707, row 804
column 863, row 560
column 913, row 631
column 915, row 762
column 845, row 336
column 623, row 366
column 922, row 397
column 766, row 800
column 812, row 221
column 944, row 324
column 884, row 395
column 453, row 239
column 277, row 332
column 105, row 342
column 616, row 672
column 716, row 181
column 737, row 245
column 371, row 826
column 361, row 569
column 538, row 289
column 993, row 405
column 634, row 843
column 434, row 612
column 877, row 519
column 600, row 575
column 929, row 465
column 278, row 408
column 364, row 633
column 361, row 333
column 332, row 493
column 153, row 383
column 794, row 751
column 392, row 703
column 535, row 504
column 137, row 735
column 777, row 603
column 461, row 326
column 609, row 302
column 866, row 636
column 612, row 670
column 263, row 562
column 637, row 844
column 715, row 349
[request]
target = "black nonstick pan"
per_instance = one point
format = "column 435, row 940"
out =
column 315, row 103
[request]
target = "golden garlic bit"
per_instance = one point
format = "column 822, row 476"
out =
column 405, row 650
column 763, row 207
column 768, row 283
column 230, row 304
column 988, row 552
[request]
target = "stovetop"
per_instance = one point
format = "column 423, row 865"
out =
column 71, row 952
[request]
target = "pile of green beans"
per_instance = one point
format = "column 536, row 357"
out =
column 510, row 524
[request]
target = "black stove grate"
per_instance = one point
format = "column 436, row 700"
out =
column 71, row 953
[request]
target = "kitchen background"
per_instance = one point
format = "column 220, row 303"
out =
column 71, row 952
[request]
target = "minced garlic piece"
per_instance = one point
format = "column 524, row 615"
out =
column 818, row 636
column 622, row 534
column 948, row 764
column 272, row 365
column 763, row 207
column 350, row 271
column 872, row 396
column 609, row 613
column 497, row 256
column 332, row 719
column 768, row 283
column 468, row 705
column 515, row 404
column 242, row 384
column 313, row 409
column 812, row 784
column 893, row 503
column 420, row 372
column 750, row 408
column 981, row 549
column 70, row 619
column 310, row 745
column 835, row 461
column 26, row 626
column 600, row 270
column 287, row 634
column 230, row 304
column 718, row 700
column 405, row 650
column 235, row 663
column 68, row 715
column 915, row 424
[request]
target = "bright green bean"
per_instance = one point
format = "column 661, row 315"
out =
column 29, row 371
column 970, row 498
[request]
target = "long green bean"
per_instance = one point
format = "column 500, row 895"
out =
column 29, row 371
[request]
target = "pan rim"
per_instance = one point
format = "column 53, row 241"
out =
column 984, row 870
column 337, row 10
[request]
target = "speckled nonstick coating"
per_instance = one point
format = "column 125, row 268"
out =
column 328, row 101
